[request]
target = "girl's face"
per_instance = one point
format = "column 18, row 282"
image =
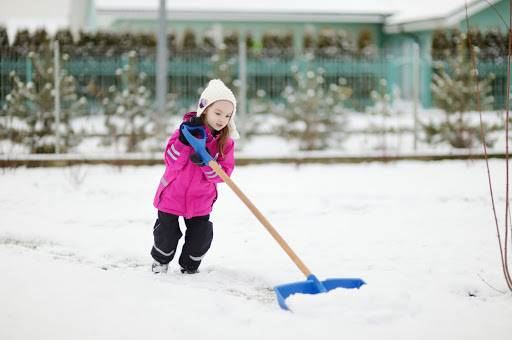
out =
column 218, row 114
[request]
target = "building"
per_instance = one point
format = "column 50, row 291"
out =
column 398, row 25
column 390, row 22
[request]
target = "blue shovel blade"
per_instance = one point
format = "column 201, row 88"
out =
column 313, row 286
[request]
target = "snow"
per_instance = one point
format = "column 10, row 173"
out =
column 26, row 14
column 400, row 10
column 363, row 136
column 74, row 255
column 402, row 7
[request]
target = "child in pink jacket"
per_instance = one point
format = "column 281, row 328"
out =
column 188, row 187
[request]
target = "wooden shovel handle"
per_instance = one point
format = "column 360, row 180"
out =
column 218, row 170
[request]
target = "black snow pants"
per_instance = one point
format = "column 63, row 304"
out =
column 166, row 234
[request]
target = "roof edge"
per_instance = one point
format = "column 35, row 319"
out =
column 234, row 15
column 451, row 19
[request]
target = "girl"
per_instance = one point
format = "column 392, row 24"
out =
column 188, row 187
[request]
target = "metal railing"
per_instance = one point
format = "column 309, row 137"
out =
column 188, row 73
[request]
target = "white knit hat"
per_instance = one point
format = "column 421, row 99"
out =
column 215, row 91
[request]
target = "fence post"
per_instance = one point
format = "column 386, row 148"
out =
column 56, row 71
column 161, row 61
column 415, row 89
column 28, row 69
column 242, row 73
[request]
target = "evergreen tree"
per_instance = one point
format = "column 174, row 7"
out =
column 128, row 107
column 476, row 38
column 455, row 39
column 250, row 43
column 146, row 43
column 309, row 43
column 494, row 45
column 4, row 38
column 208, row 46
column 189, row 46
column 110, row 43
column 223, row 67
column 270, row 45
column 313, row 111
column 440, row 45
column 86, row 45
column 40, row 41
column 383, row 107
column 172, row 46
column 31, row 105
column 287, row 45
column 21, row 43
column 348, row 47
column 365, row 45
column 231, row 43
column 66, row 41
column 454, row 91
column 327, row 43
column 277, row 45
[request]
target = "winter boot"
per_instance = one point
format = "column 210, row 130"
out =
column 189, row 271
column 159, row 268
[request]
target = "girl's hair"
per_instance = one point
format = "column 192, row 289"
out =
column 223, row 134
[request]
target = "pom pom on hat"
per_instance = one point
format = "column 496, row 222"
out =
column 215, row 91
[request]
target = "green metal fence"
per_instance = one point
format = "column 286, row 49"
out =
column 186, row 74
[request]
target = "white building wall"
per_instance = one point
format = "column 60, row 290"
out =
column 49, row 14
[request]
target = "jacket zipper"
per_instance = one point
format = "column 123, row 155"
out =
column 186, row 194
column 188, row 186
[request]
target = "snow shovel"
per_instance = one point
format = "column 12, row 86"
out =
column 312, row 285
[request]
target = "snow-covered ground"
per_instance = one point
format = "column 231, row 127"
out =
column 74, row 255
column 363, row 136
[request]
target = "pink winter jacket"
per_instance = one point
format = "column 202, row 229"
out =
column 186, row 189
